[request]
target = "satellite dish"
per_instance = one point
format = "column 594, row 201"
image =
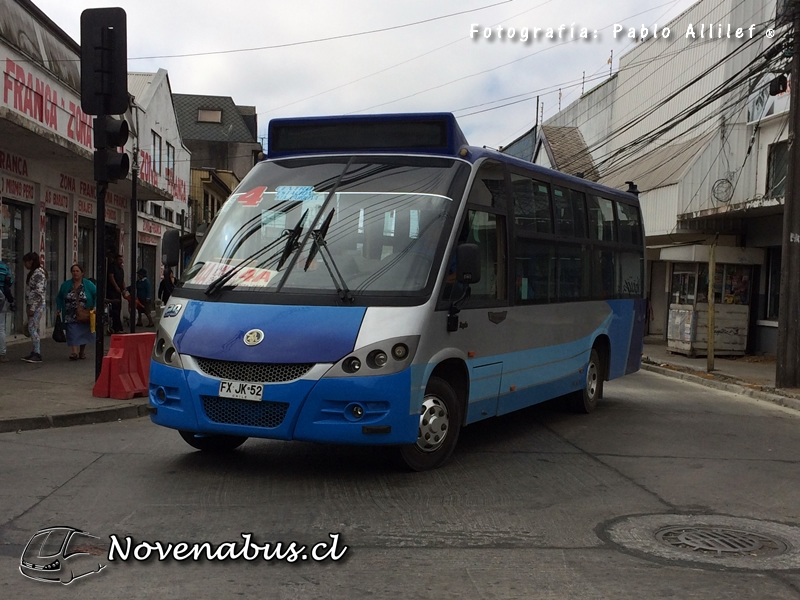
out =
column 722, row 190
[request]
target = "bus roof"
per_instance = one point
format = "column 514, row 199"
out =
column 436, row 134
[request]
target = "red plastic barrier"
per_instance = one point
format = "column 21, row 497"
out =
column 126, row 368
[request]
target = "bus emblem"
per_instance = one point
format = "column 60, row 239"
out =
column 253, row 337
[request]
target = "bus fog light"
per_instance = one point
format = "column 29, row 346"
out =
column 161, row 395
column 400, row 351
column 358, row 411
column 351, row 365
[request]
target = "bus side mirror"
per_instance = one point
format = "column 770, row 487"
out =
column 468, row 264
column 170, row 247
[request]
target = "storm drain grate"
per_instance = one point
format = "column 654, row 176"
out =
column 720, row 541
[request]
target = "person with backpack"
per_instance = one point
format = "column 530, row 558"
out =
column 6, row 304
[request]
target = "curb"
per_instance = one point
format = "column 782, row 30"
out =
column 752, row 392
column 89, row 417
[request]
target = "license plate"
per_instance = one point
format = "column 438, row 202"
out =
column 241, row 390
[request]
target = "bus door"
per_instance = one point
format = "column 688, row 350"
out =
column 483, row 329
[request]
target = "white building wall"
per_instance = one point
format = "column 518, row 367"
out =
column 659, row 207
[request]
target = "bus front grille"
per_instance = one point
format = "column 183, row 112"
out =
column 244, row 412
column 255, row 372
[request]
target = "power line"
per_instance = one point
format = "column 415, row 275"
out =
column 327, row 39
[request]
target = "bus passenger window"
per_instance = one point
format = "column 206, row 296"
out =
column 630, row 228
column 531, row 205
column 572, row 276
column 570, row 212
column 535, row 272
column 601, row 219
column 604, row 274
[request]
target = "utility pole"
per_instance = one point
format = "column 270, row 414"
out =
column 787, row 372
column 712, row 271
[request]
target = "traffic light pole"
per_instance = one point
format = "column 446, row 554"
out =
column 100, row 321
column 787, row 372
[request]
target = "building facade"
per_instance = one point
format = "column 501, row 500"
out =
column 689, row 118
column 48, row 199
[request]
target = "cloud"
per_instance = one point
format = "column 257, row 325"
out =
column 367, row 70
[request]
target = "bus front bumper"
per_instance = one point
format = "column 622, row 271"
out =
column 348, row 410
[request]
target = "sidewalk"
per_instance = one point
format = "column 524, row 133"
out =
column 752, row 376
column 58, row 392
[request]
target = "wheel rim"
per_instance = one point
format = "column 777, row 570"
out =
column 591, row 380
column 434, row 423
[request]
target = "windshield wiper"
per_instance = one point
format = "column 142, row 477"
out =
column 291, row 243
column 216, row 285
column 322, row 246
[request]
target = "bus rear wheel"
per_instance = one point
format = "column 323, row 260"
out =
column 439, row 426
column 212, row 443
column 585, row 401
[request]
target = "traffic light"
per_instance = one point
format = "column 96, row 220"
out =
column 104, row 61
column 110, row 134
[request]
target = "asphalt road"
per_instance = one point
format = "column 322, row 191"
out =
column 530, row 506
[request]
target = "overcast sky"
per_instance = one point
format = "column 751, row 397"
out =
column 430, row 66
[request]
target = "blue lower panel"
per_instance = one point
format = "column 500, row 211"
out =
column 545, row 391
column 327, row 414
column 320, row 411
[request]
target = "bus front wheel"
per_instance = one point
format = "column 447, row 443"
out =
column 439, row 426
column 585, row 401
column 212, row 443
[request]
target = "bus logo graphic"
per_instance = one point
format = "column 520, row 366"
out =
column 61, row 554
column 253, row 337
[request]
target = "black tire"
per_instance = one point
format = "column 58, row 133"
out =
column 585, row 401
column 212, row 443
column 437, row 435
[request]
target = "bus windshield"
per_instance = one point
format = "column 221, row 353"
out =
column 333, row 224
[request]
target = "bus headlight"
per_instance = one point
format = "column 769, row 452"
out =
column 351, row 365
column 399, row 351
column 378, row 358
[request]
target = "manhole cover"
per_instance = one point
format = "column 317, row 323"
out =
column 721, row 541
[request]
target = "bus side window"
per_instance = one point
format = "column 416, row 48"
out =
column 489, row 186
column 602, row 226
column 630, row 227
column 487, row 230
column 531, row 205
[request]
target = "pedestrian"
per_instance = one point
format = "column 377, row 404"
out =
column 6, row 304
column 144, row 298
column 74, row 293
column 116, row 291
column 35, row 289
column 167, row 286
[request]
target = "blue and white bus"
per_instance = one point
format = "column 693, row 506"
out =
column 376, row 280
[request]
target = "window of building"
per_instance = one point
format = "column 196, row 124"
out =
column 156, row 153
column 777, row 167
column 684, row 283
column 155, row 209
column 206, row 115
column 170, row 162
column 169, row 215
